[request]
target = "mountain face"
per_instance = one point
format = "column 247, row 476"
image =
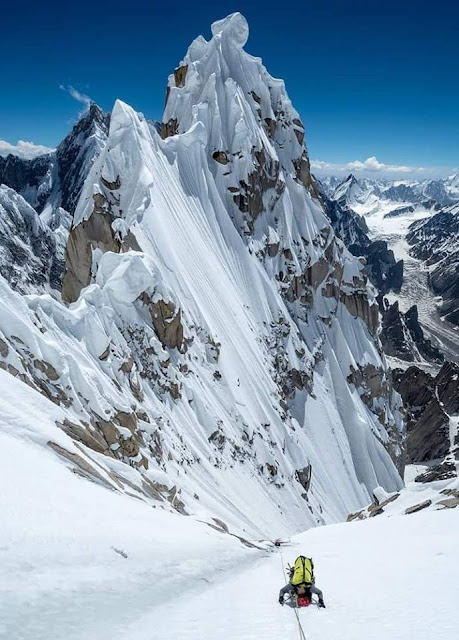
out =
column 435, row 241
column 77, row 153
column 32, row 179
column 403, row 337
column 56, row 179
column 28, row 256
column 378, row 216
column 219, row 351
column 411, row 216
column 432, row 406
column 50, row 184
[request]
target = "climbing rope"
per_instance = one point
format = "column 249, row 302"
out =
column 295, row 609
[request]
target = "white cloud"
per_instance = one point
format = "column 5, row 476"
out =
column 372, row 165
column 321, row 165
column 77, row 95
column 23, row 149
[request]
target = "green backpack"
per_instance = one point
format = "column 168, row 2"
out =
column 302, row 571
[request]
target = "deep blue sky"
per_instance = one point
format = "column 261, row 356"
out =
column 368, row 78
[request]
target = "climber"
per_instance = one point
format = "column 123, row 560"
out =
column 301, row 585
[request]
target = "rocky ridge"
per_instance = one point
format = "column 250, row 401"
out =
column 45, row 190
column 403, row 337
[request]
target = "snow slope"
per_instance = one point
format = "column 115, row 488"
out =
column 79, row 561
column 60, row 573
column 372, row 573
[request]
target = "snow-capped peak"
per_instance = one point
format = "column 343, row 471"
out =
column 243, row 109
column 233, row 28
column 348, row 189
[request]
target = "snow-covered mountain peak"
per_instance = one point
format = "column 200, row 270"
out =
column 253, row 133
column 348, row 189
column 230, row 82
column 77, row 152
column 220, row 333
column 234, row 29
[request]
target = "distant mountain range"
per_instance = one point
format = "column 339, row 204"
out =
column 421, row 217
column 364, row 192
column 436, row 242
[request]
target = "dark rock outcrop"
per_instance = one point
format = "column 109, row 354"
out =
column 428, row 401
column 418, row 507
column 447, row 382
column 436, row 242
column 402, row 335
column 28, row 256
column 443, row 471
column 167, row 321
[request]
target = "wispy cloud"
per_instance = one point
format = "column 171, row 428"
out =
column 23, row 149
column 372, row 165
column 77, row 95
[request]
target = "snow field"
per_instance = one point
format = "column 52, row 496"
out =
column 63, row 573
column 60, row 573
column 384, row 578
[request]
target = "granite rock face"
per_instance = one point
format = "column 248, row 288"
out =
column 50, row 185
column 436, row 242
column 429, row 402
column 402, row 335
